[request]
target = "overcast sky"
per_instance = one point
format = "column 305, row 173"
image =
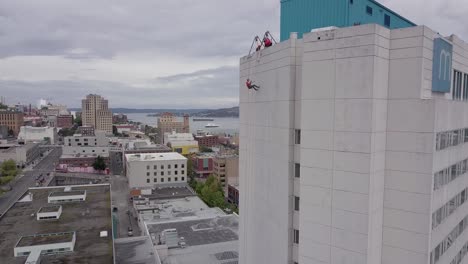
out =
column 151, row 53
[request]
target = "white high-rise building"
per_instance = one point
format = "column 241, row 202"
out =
column 355, row 149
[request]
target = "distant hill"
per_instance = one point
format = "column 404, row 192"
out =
column 223, row 112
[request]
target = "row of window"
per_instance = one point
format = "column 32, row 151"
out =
column 461, row 254
column 447, row 209
column 460, row 86
column 67, row 200
column 182, row 172
column 168, row 179
column 451, row 138
column 155, row 167
column 443, row 246
column 48, row 217
column 449, row 174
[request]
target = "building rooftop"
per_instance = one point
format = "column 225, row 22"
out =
column 135, row 250
column 211, row 240
column 44, row 239
column 64, row 193
column 80, row 155
column 161, row 210
column 48, row 209
column 87, row 218
column 155, row 156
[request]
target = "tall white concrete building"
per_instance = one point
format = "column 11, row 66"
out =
column 354, row 149
column 95, row 113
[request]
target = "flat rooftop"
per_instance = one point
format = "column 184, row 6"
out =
column 84, row 156
column 135, row 250
column 180, row 208
column 70, row 193
column 155, row 156
column 49, row 209
column 212, row 240
column 87, row 218
column 44, row 239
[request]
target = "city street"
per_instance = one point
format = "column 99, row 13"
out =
column 121, row 200
column 22, row 183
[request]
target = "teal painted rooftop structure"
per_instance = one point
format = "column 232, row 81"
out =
column 302, row 16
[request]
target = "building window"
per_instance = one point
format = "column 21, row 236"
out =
column 369, row 10
column 162, row 173
column 457, row 85
column 182, row 172
column 169, row 166
column 182, row 178
column 147, row 174
column 297, row 136
column 296, row 236
column 296, row 203
column 182, row 166
column 387, row 20
column 168, row 179
column 465, row 87
column 162, row 167
column 155, row 174
column 162, row 179
column 147, row 167
column 155, row 167
column 169, row 173
column 155, row 180
column 175, row 178
column 297, row 170
column 147, row 180
column 175, row 172
column 175, row 166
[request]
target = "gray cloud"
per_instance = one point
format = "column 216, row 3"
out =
column 90, row 45
column 218, row 90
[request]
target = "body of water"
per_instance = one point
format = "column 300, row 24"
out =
column 227, row 125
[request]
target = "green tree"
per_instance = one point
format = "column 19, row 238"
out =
column 2, row 106
column 205, row 149
column 8, row 168
column 99, row 164
column 78, row 121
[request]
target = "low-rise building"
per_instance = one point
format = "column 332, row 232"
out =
column 85, row 130
column 168, row 122
column 124, row 128
column 182, row 143
column 155, row 169
column 207, row 140
column 64, row 121
column 233, row 194
column 59, row 225
column 22, row 154
column 13, row 120
column 3, row 132
column 226, row 169
column 119, row 119
column 98, row 138
column 33, row 134
column 202, row 164
column 183, row 229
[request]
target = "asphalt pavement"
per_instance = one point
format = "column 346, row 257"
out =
column 121, row 200
column 21, row 184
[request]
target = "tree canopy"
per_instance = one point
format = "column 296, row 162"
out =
column 99, row 164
